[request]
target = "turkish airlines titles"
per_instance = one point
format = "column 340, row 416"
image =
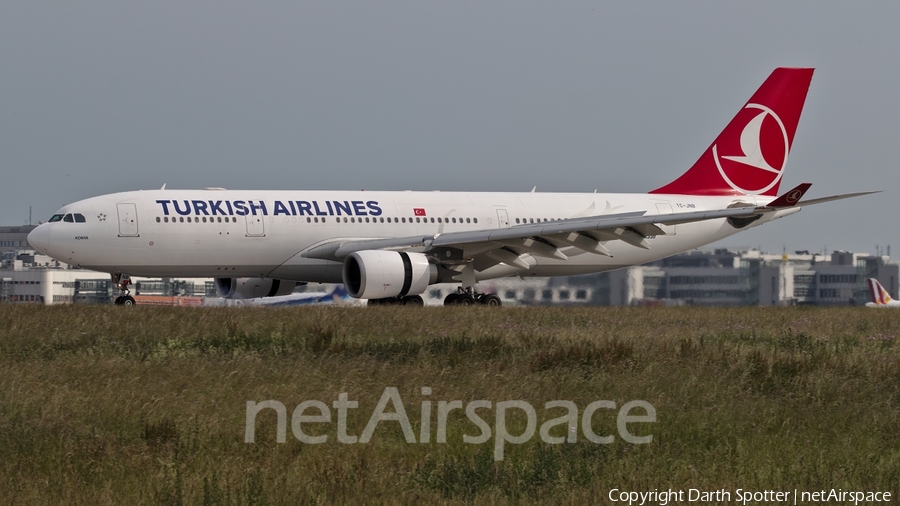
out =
column 279, row 208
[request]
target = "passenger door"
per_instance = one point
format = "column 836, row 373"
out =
column 255, row 226
column 128, row 224
column 503, row 218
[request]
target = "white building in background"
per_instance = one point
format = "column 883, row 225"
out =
column 35, row 278
column 14, row 239
column 724, row 277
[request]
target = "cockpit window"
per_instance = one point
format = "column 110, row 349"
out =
column 79, row 218
column 69, row 219
column 55, row 217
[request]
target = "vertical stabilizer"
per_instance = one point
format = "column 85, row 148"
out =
column 750, row 155
column 880, row 296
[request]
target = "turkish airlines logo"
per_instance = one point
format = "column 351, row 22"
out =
column 793, row 196
column 754, row 163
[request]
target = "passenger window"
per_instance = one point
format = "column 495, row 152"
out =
column 475, row 220
column 468, row 220
column 158, row 219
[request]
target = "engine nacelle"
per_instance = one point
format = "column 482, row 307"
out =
column 251, row 288
column 375, row 274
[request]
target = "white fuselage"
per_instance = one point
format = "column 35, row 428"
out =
column 223, row 233
column 892, row 304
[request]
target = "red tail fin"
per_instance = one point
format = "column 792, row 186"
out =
column 749, row 156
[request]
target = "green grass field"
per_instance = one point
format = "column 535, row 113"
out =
column 108, row 405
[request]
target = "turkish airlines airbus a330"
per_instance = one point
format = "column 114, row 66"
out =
column 388, row 247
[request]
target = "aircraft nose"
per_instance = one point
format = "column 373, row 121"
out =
column 39, row 238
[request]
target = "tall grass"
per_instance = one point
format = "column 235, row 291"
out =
column 108, row 405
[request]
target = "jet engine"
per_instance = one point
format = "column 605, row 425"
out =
column 250, row 288
column 375, row 274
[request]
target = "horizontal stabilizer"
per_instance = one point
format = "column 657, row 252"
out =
column 790, row 198
column 834, row 197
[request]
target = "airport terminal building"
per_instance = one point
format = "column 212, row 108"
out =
column 14, row 239
column 700, row 277
column 750, row 278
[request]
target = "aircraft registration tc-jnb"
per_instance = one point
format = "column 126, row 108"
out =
column 389, row 246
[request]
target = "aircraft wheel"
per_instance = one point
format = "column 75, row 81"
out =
column 128, row 300
column 451, row 300
column 413, row 300
column 491, row 300
column 465, row 300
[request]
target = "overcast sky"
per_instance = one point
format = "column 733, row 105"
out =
column 99, row 97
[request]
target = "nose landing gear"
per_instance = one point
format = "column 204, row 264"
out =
column 122, row 282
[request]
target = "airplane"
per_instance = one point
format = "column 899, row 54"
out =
column 337, row 295
column 880, row 296
column 387, row 247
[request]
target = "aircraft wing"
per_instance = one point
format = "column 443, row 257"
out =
column 583, row 233
column 546, row 239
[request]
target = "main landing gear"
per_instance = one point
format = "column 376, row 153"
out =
column 469, row 297
column 122, row 282
column 409, row 300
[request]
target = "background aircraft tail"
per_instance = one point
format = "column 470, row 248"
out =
column 749, row 156
column 880, row 296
